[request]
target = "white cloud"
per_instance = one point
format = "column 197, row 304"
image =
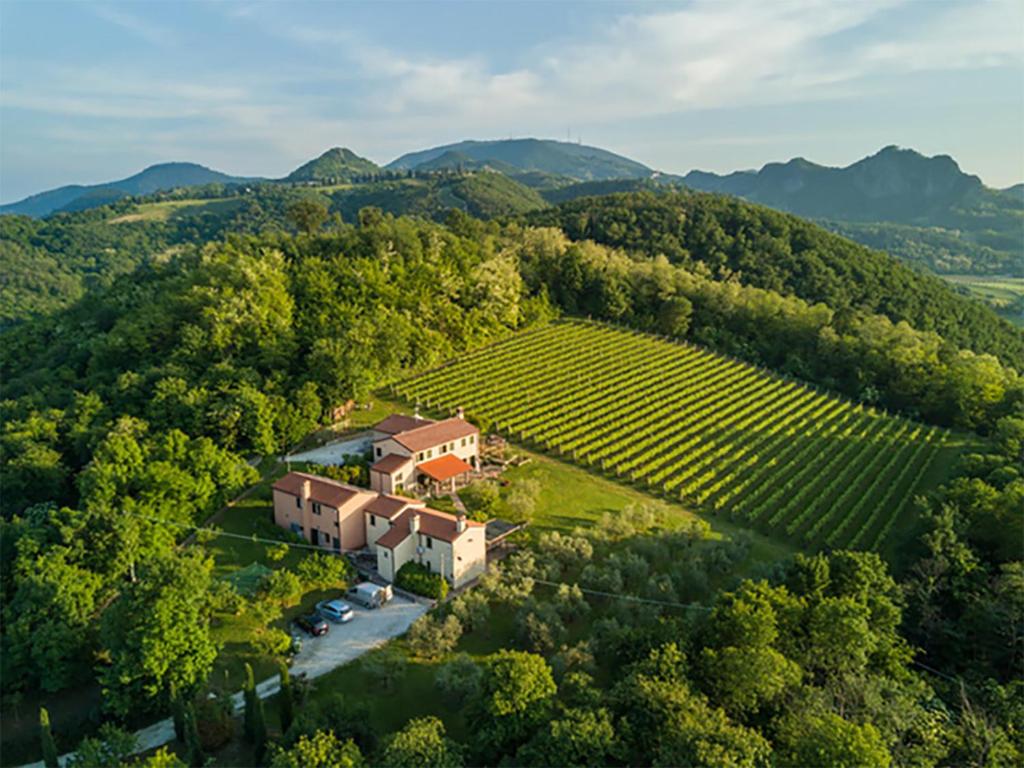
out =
column 151, row 33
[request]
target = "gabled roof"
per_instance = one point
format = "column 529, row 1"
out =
column 389, row 506
column 437, row 525
column 398, row 422
column 444, row 467
column 391, row 463
column 322, row 490
column 435, row 434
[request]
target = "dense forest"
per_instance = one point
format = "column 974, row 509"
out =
column 763, row 248
column 129, row 413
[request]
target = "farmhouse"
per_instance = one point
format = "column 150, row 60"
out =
column 411, row 452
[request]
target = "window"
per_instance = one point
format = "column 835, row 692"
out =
column 430, row 543
column 451, row 446
column 463, row 443
column 316, row 508
column 419, row 456
column 430, row 453
column 444, row 449
column 298, row 502
column 373, row 521
column 398, row 477
column 379, row 452
column 385, row 554
column 472, row 439
column 296, row 528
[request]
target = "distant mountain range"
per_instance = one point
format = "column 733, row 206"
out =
column 897, row 185
column 156, row 178
column 925, row 210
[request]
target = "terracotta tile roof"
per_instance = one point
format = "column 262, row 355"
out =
column 398, row 422
column 389, row 506
column 435, row 434
column 391, row 463
column 444, row 467
column 321, row 489
column 437, row 525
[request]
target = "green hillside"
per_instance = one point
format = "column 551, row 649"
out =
column 752, row 244
column 334, row 166
column 771, row 453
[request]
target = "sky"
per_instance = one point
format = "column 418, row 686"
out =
column 96, row 91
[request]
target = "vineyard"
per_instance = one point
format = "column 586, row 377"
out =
column 718, row 434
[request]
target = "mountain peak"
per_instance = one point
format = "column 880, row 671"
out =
column 337, row 163
column 558, row 158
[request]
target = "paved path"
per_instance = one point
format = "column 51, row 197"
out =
column 459, row 506
column 319, row 655
column 335, row 453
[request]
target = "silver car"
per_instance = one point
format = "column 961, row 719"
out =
column 337, row 611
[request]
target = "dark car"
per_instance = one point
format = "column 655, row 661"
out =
column 313, row 624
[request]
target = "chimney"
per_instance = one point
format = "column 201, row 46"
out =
column 307, row 489
column 460, row 523
column 460, row 413
column 414, row 524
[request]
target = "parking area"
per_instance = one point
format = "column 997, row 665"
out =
column 345, row 642
column 335, row 453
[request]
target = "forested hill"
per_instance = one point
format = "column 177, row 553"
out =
column 761, row 247
column 335, row 165
column 559, row 158
column 49, row 263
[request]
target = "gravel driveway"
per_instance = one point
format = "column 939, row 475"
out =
column 345, row 642
column 319, row 655
column 335, row 453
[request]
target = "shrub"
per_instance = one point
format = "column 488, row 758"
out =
column 430, row 637
column 540, row 628
column 481, row 499
column 277, row 552
column 471, row 609
column 271, row 641
column 324, row 571
column 566, row 551
column 385, row 667
column 459, row 678
column 283, row 587
column 570, row 602
column 215, row 722
column 415, row 578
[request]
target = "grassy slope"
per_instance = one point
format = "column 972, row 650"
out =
column 1004, row 294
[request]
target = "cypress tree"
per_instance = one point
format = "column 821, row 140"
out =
column 286, row 699
column 193, row 747
column 259, row 729
column 178, row 714
column 255, row 722
column 49, row 747
column 248, row 695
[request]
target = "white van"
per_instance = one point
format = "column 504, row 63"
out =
column 369, row 595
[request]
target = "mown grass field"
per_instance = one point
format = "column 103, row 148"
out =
column 166, row 209
column 690, row 425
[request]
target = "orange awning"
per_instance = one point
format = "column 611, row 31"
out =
column 444, row 467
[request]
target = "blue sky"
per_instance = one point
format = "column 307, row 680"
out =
column 93, row 91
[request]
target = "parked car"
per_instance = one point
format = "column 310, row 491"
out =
column 369, row 595
column 337, row 611
column 313, row 625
